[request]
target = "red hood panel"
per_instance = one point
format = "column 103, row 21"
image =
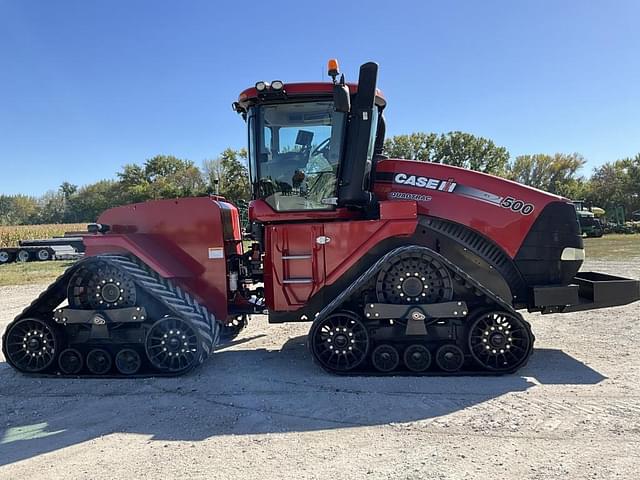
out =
column 499, row 209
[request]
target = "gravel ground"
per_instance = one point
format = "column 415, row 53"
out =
column 261, row 409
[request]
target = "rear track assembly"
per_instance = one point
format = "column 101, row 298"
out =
column 415, row 313
column 122, row 319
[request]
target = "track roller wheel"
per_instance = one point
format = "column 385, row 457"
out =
column 385, row 358
column 128, row 361
column 31, row 345
column 232, row 328
column 500, row 341
column 340, row 342
column 417, row 358
column 98, row 361
column 450, row 358
column 172, row 345
column 70, row 361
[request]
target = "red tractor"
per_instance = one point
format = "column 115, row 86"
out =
column 401, row 267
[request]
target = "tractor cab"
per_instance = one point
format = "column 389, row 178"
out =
column 312, row 145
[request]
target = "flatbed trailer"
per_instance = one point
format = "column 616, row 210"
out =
column 43, row 250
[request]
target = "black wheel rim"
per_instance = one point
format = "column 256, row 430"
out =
column 70, row 361
column 172, row 344
column 385, row 358
column 417, row 358
column 99, row 285
column 340, row 342
column 128, row 361
column 499, row 341
column 98, row 361
column 31, row 345
column 450, row 358
column 414, row 279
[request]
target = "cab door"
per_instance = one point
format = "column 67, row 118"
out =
column 295, row 264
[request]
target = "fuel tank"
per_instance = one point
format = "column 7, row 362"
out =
column 187, row 240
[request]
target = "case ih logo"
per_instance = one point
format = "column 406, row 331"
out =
column 424, row 182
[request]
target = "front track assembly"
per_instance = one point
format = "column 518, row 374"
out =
column 122, row 319
column 415, row 313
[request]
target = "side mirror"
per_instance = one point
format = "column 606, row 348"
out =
column 341, row 98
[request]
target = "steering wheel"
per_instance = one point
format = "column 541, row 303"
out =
column 322, row 148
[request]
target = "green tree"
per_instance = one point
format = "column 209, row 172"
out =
column 552, row 173
column 163, row 176
column 231, row 173
column 459, row 149
column 617, row 183
column 52, row 206
column 91, row 200
column 18, row 209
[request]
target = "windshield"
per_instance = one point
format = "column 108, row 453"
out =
column 298, row 152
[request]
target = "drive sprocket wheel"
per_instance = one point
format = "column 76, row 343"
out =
column 31, row 345
column 340, row 342
column 500, row 341
column 172, row 345
column 414, row 279
column 98, row 285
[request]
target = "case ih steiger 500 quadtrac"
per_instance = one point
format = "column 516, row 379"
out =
column 400, row 266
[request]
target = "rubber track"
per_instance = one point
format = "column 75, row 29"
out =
column 175, row 299
column 458, row 275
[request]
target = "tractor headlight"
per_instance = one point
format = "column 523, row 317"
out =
column 277, row 85
column 261, row 86
column 572, row 254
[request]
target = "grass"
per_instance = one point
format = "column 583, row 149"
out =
column 20, row 273
column 612, row 246
column 607, row 247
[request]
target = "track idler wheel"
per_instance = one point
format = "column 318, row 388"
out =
column 450, row 358
column 98, row 361
column 500, row 341
column 414, row 279
column 385, row 358
column 128, row 361
column 70, row 361
column 340, row 342
column 172, row 345
column 417, row 358
column 31, row 345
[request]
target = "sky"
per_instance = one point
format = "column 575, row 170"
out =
column 88, row 86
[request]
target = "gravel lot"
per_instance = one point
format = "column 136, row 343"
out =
column 261, row 409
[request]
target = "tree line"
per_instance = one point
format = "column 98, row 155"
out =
column 165, row 176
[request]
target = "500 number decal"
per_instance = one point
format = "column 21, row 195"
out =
column 517, row 205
